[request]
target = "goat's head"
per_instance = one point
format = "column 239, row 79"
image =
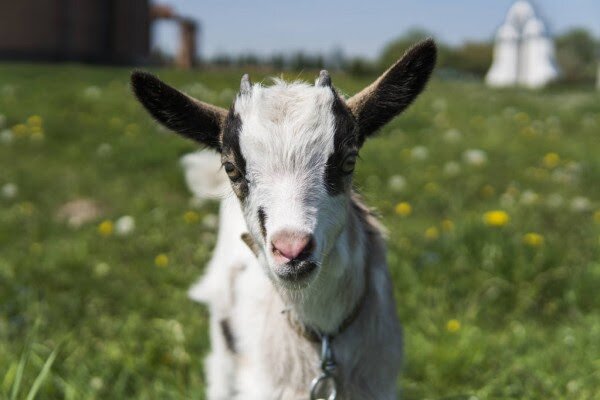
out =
column 290, row 150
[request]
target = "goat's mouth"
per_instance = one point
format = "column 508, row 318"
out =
column 296, row 272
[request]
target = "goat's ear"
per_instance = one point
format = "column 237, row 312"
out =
column 393, row 91
column 179, row 112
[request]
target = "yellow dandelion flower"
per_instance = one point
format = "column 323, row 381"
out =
column 453, row 326
column 161, row 260
column 447, row 225
column 106, row 228
column 34, row 121
column 403, row 209
column 522, row 117
column 432, row 233
column 597, row 216
column 496, row 218
column 533, row 239
column 20, row 130
column 191, row 217
column 551, row 160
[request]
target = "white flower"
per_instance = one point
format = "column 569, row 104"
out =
column 580, row 204
column 397, row 183
column 125, row 225
column 104, row 150
column 9, row 190
column 96, row 383
column 6, row 136
column 529, row 197
column 92, row 92
column 210, row 221
column 419, row 153
column 452, row 135
column 475, row 157
column 451, row 168
column 555, row 200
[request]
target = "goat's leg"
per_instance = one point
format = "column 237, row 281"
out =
column 219, row 364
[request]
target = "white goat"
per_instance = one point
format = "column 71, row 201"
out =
column 305, row 307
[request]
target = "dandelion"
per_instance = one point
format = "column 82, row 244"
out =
column 496, row 218
column 475, row 157
column 403, row 209
column 432, row 233
column 9, row 191
column 191, row 217
column 453, row 326
column 106, row 228
column 125, row 225
column 447, row 225
column 34, row 121
column 533, row 239
column 161, row 260
column 551, row 160
column 20, row 130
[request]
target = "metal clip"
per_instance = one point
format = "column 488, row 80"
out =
column 326, row 379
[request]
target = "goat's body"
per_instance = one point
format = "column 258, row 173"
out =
column 257, row 354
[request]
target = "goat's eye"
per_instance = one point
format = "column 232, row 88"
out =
column 232, row 172
column 349, row 163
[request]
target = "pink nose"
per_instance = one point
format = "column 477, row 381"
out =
column 289, row 245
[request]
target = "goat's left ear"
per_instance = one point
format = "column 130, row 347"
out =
column 179, row 112
column 393, row 91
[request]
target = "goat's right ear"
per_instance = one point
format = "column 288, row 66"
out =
column 179, row 112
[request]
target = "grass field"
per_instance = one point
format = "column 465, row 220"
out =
column 492, row 199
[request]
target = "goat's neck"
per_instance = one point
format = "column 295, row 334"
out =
column 332, row 297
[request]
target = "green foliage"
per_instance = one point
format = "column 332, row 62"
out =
column 577, row 55
column 488, row 310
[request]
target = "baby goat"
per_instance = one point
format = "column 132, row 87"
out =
column 304, row 308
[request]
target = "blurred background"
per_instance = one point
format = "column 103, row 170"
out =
column 488, row 185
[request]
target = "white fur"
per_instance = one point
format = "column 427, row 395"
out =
column 287, row 136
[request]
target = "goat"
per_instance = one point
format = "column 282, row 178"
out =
column 298, row 287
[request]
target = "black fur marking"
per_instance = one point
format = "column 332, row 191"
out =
column 395, row 90
column 345, row 139
column 190, row 118
column 233, row 153
column 228, row 335
column 262, row 219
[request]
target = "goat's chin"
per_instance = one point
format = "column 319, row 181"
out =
column 294, row 277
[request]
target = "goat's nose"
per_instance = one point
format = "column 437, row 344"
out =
column 289, row 245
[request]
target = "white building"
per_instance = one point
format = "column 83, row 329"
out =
column 523, row 52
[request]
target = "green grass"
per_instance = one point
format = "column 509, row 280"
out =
column 86, row 316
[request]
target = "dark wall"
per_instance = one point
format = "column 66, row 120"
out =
column 101, row 31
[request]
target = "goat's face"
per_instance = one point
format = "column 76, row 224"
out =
column 289, row 151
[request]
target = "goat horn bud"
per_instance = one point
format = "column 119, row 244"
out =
column 324, row 79
column 245, row 85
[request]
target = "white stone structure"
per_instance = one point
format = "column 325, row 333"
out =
column 523, row 52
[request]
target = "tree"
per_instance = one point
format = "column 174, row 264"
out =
column 576, row 52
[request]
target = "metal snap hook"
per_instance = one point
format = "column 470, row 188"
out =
column 321, row 380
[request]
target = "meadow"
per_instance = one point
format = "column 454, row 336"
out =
column 491, row 198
